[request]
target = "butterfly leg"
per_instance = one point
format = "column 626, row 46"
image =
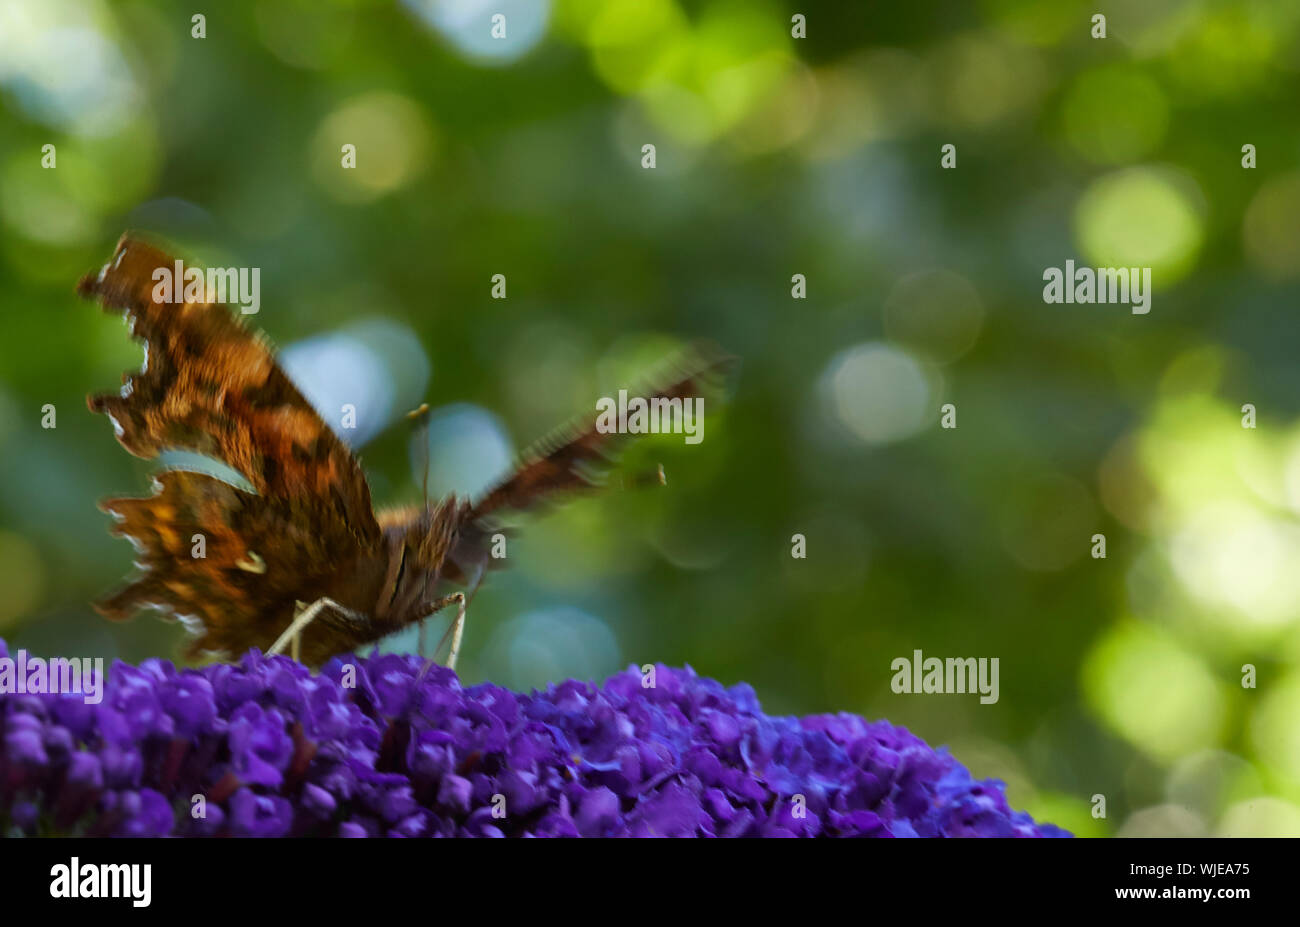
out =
column 456, row 631
column 434, row 607
column 304, row 616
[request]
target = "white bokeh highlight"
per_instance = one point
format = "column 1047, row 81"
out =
column 879, row 394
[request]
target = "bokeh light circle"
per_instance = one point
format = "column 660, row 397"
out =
column 1141, row 217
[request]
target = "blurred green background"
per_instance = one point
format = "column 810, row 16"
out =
column 775, row 156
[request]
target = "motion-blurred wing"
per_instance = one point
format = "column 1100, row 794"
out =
column 578, row 456
column 230, row 562
column 211, row 386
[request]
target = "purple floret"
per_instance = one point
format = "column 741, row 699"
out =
column 376, row 747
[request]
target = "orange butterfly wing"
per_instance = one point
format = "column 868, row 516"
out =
column 212, row 387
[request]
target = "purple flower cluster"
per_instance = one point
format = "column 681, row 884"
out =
column 371, row 747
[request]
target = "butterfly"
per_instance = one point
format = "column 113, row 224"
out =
column 299, row 555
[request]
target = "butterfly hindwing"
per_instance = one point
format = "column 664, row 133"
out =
column 229, row 563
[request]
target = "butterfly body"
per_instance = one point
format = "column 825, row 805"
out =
column 236, row 564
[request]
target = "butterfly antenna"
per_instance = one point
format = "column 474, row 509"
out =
column 420, row 419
